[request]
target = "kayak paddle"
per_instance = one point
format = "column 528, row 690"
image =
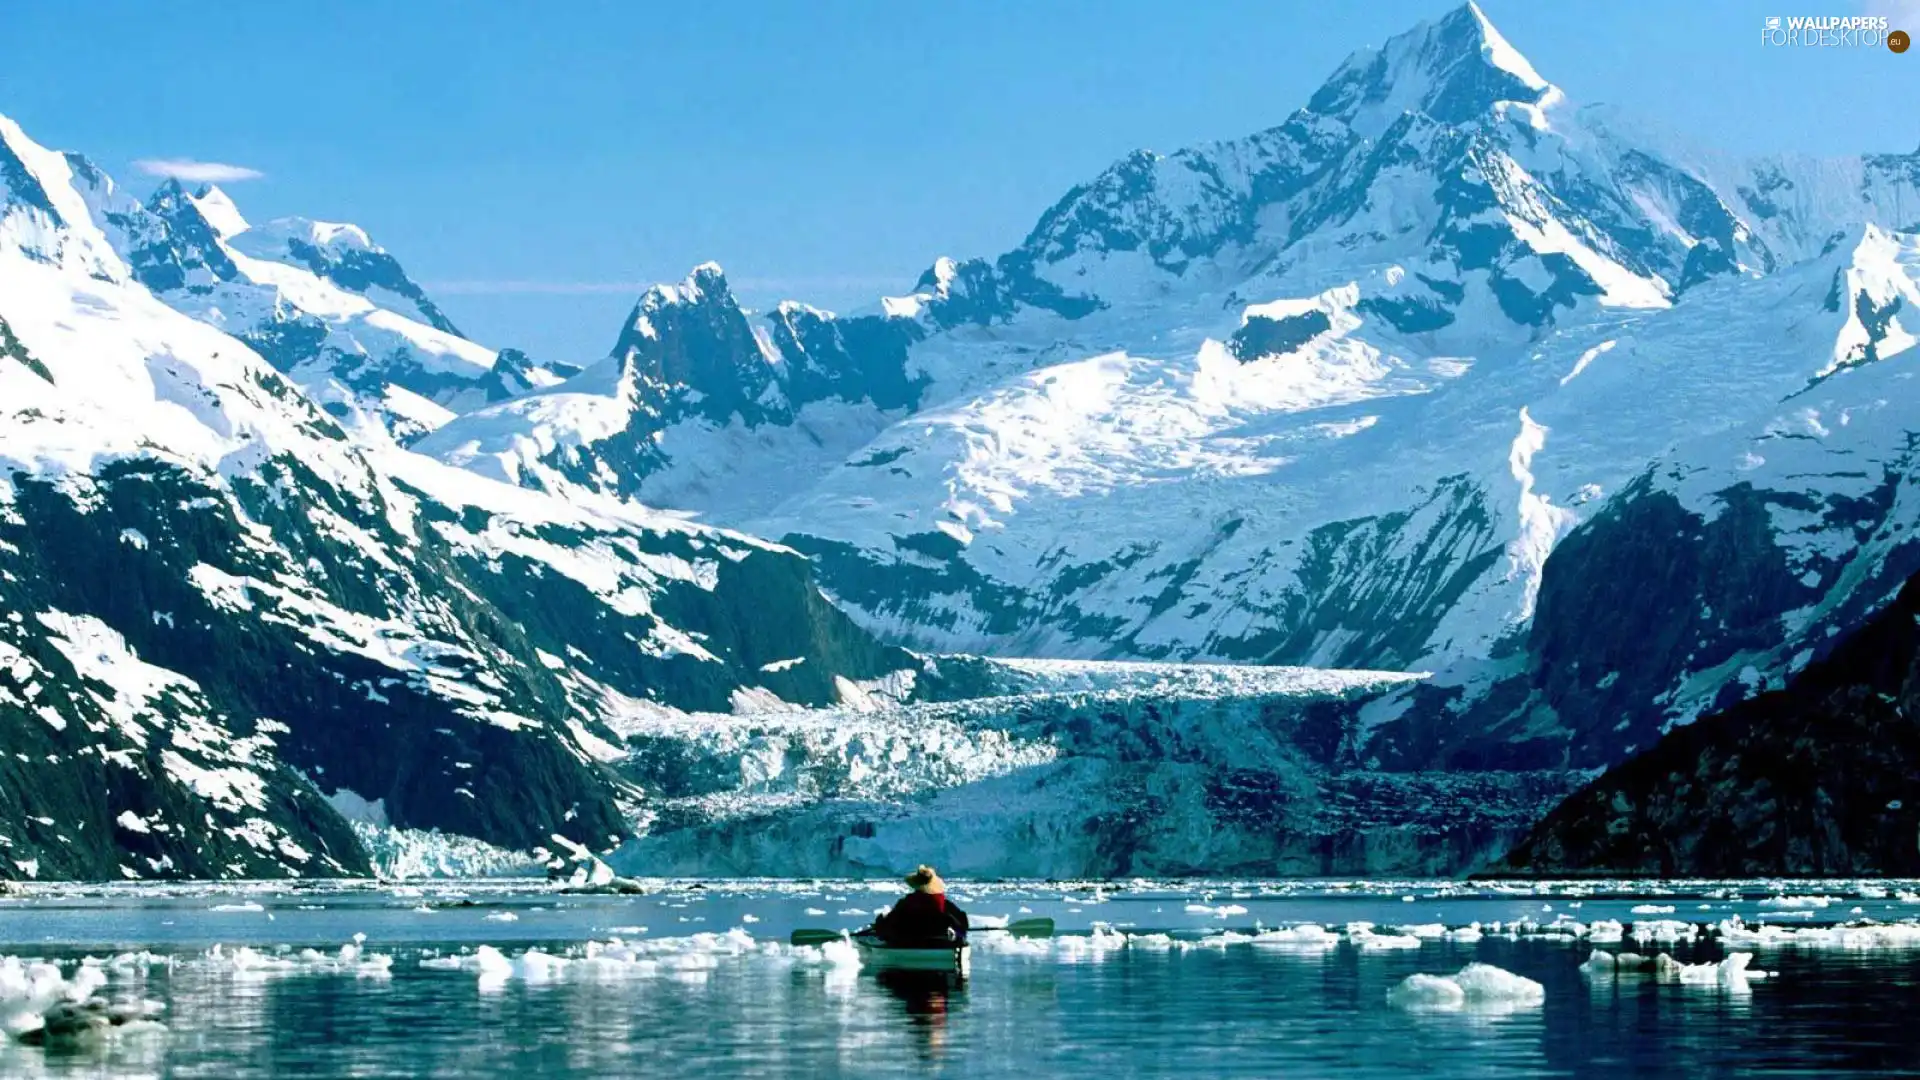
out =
column 1024, row 928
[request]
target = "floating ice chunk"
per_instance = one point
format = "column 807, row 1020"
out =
column 503, row 916
column 1799, row 902
column 1664, row 931
column 616, row 958
column 1602, row 964
column 1097, row 945
column 1653, row 909
column 1433, row 931
column 1606, row 931
column 1730, row 973
column 1465, row 934
column 1221, row 912
column 535, row 966
column 247, row 906
column 816, row 911
column 39, row 1004
column 1476, row 986
column 1366, row 940
column 840, row 954
column 245, row 961
column 1007, row 943
column 1860, row 936
column 979, row 922
column 1428, row 992
column 1305, row 936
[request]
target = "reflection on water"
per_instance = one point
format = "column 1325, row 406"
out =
column 926, row 997
column 1028, row 1011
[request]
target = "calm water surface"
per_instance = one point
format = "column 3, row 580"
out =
column 1059, row 1009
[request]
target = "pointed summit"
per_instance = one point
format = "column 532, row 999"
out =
column 1454, row 69
column 218, row 208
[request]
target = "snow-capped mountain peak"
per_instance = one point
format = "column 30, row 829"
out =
column 42, row 214
column 217, row 603
column 1412, row 379
column 345, row 256
column 695, row 337
column 320, row 300
column 218, row 208
column 1453, row 69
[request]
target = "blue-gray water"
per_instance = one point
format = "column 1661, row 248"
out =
column 1035, row 1010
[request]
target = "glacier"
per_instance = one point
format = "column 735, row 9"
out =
column 1334, row 499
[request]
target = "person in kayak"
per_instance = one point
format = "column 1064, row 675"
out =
column 923, row 916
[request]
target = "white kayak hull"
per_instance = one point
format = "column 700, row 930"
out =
column 944, row 958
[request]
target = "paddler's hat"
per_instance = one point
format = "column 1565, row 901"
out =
column 923, row 879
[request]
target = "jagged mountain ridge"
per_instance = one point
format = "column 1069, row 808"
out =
column 1432, row 376
column 1330, row 394
column 224, row 616
column 328, row 307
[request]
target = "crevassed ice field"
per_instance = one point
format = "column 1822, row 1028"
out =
column 1428, row 587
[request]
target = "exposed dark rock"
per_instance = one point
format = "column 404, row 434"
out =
column 1820, row 778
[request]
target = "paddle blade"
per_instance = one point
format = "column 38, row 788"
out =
column 814, row 937
column 1031, row 928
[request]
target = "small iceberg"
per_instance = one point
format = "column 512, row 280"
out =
column 1731, row 973
column 1361, row 936
column 1305, row 936
column 1480, row 987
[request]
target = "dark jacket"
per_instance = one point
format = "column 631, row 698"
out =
column 922, row 918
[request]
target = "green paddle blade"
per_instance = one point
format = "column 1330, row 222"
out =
column 1042, row 927
column 814, row 937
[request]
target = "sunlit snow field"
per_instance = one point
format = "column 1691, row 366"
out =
column 1144, row 978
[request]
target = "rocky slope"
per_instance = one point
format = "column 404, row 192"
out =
column 1434, row 375
column 1443, row 374
column 223, row 616
column 1817, row 779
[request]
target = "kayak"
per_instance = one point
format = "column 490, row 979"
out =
column 877, row 954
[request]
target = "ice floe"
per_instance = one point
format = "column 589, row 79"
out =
column 1731, row 973
column 618, row 958
column 40, row 1003
column 1850, row 936
column 245, row 961
column 1476, row 987
column 1362, row 936
column 1307, row 936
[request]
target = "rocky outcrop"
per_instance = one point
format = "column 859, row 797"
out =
column 1821, row 778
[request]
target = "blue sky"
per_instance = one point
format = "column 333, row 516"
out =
column 538, row 166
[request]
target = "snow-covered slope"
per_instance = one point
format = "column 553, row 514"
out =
column 322, row 302
column 222, row 613
column 1373, row 388
column 691, row 391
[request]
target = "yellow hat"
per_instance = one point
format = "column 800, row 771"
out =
column 924, row 879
